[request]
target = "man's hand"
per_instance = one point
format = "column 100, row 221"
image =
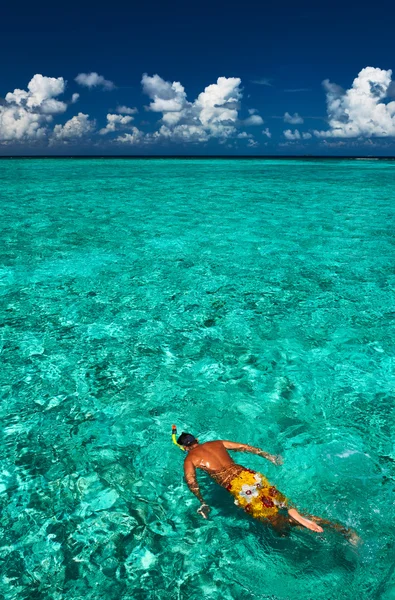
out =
column 204, row 510
column 276, row 459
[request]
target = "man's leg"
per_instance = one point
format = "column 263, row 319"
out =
column 314, row 523
column 308, row 523
column 348, row 533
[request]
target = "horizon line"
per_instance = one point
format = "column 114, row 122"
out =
column 198, row 156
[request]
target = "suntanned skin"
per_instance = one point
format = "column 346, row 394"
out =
column 213, row 457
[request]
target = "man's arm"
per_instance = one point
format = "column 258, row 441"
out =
column 190, row 478
column 236, row 447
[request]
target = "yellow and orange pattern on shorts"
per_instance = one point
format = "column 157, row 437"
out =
column 256, row 495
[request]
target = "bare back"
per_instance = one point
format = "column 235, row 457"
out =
column 211, row 457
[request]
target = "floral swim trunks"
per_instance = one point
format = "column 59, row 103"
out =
column 256, row 495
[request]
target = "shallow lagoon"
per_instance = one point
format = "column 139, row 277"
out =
column 248, row 300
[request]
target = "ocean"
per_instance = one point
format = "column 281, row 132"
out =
column 250, row 300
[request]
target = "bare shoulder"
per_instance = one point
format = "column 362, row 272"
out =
column 215, row 447
column 213, row 444
column 188, row 459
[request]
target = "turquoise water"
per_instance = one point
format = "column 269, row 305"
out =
column 248, row 300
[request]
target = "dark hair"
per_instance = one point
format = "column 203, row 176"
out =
column 186, row 439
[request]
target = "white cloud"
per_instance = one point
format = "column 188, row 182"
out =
column 361, row 111
column 252, row 143
column 253, row 120
column 244, row 135
column 357, row 143
column 40, row 96
column 296, row 135
column 217, row 106
column 135, row 137
column 26, row 114
column 337, row 144
column 165, row 96
column 76, row 128
column 126, row 110
column 292, row 135
column 75, row 98
column 263, row 81
column 214, row 113
column 91, row 80
column 267, row 133
column 17, row 123
column 115, row 122
column 181, row 133
column 294, row 119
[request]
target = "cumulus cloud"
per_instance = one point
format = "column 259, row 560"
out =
column 253, row 120
column 214, row 113
column 294, row 119
column 244, row 135
column 126, row 110
column 296, row 135
column 134, row 137
column 267, row 132
column 292, row 135
column 181, row 133
column 361, row 111
column 252, row 143
column 93, row 79
column 25, row 114
column 40, row 96
column 75, row 98
column 18, row 124
column 115, row 122
column 166, row 97
column 76, row 128
column 217, row 106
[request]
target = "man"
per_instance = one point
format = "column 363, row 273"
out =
column 251, row 490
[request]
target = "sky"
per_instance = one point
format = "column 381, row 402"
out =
column 184, row 78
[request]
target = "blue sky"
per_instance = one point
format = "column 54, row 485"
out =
column 206, row 78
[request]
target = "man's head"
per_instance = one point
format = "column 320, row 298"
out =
column 187, row 440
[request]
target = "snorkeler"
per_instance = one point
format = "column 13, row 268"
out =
column 250, row 489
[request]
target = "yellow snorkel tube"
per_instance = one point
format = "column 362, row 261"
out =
column 174, row 437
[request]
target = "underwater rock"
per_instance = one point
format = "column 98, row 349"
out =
column 105, row 500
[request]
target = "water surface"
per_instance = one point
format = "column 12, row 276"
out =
column 248, row 300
